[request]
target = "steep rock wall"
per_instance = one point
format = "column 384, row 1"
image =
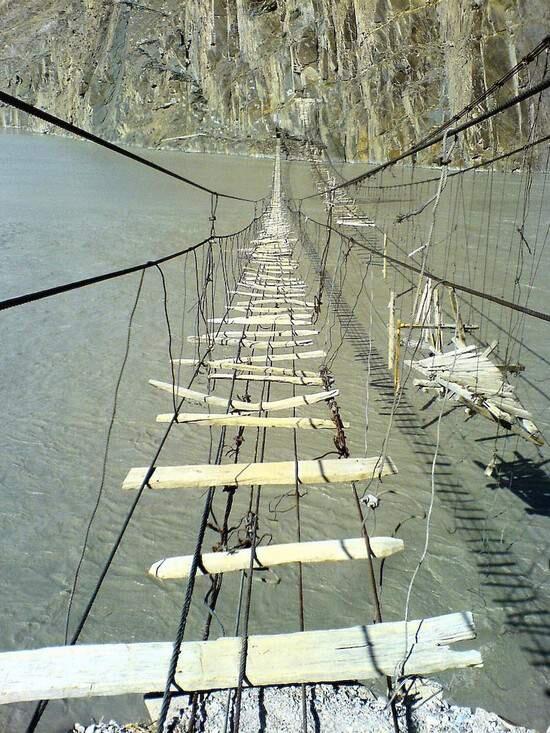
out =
column 368, row 77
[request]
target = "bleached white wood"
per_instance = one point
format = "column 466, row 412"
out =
column 256, row 368
column 263, row 320
column 304, row 381
column 291, row 423
column 292, row 356
column 260, row 345
column 172, row 568
column 274, row 289
column 240, row 406
column 358, row 652
column 272, row 310
column 277, row 473
column 258, row 297
column 272, row 301
column 258, row 334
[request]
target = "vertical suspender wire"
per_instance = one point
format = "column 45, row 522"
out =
column 193, row 571
column 105, row 454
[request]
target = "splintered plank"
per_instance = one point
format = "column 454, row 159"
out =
column 322, row 471
column 304, row 381
column 293, row 423
column 172, row 568
column 332, row 655
column 240, row 406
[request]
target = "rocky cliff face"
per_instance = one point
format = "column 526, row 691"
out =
column 366, row 76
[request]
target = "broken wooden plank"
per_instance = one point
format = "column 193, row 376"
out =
column 304, row 381
column 292, row 423
column 418, row 647
column 277, row 473
column 239, row 405
column 265, row 556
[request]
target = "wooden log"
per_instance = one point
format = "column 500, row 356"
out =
column 304, row 381
column 173, row 568
column 331, row 655
column 239, row 406
column 291, row 423
column 277, row 473
column 391, row 332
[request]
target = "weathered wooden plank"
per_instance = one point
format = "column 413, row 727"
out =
column 276, row 473
column 273, row 289
column 292, row 423
column 292, row 356
column 268, row 334
column 240, row 406
column 304, row 381
column 272, row 310
column 253, row 304
column 258, row 297
column 358, row 652
column 257, row 368
column 260, row 345
column 264, row 320
column 249, row 344
column 265, row 556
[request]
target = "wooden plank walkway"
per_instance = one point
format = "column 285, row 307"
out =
column 359, row 652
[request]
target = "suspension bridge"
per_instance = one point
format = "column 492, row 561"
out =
column 267, row 354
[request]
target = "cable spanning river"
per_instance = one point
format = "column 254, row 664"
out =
column 69, row 210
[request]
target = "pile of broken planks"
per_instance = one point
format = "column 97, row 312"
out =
column 274, row 296
column 467, row 374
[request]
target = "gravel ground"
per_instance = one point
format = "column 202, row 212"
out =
column 347, row 708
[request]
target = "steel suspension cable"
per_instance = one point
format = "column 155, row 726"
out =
column 42, row 704
column 541, row 315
